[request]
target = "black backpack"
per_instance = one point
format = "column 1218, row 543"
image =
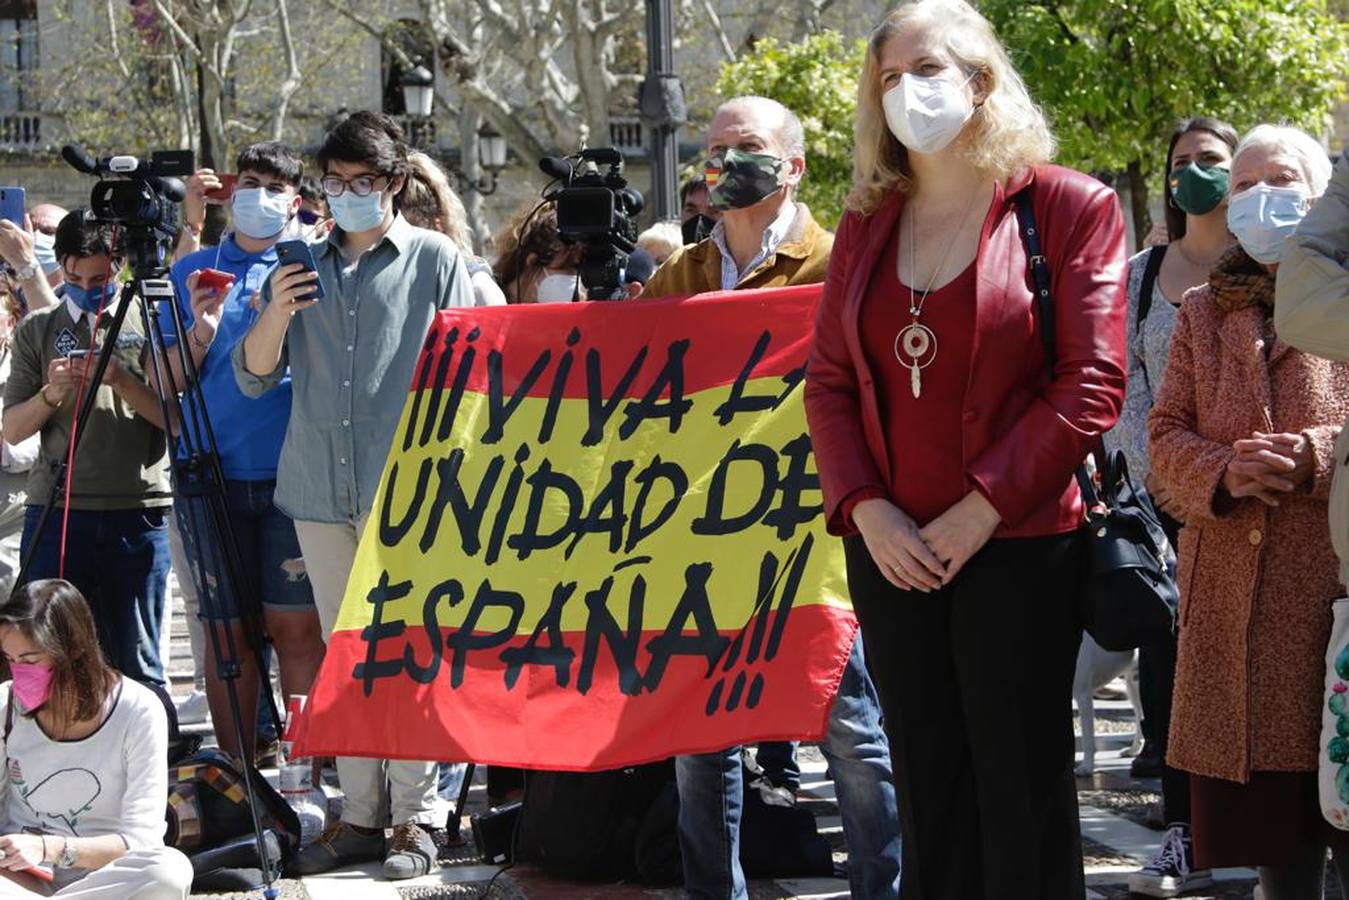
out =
column 585, row 825
column 623, row 825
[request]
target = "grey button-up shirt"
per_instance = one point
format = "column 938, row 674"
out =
column 351, row 359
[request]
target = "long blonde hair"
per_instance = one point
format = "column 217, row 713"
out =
column 1008, row 131
column 429, row 202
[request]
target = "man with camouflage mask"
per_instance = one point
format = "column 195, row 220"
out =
column 765, row 238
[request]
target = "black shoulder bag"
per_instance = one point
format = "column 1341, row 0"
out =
column 1130, row 596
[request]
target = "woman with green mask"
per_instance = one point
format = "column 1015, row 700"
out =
column 1196, row 221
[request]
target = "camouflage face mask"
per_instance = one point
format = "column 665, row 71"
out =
column 737, row 179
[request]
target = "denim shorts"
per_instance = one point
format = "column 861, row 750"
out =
column 269, row 552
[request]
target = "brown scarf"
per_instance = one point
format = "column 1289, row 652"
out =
column 1238, row 282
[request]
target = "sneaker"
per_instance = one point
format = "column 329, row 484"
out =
column 193, row 710
column 1169, row 873
column 412, row 852
column 267, row 753
column 339, row 845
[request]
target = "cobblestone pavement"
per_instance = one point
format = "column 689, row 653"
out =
column 1116, row 814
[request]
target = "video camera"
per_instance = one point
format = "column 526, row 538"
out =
column 140, row 196
column 598, row 211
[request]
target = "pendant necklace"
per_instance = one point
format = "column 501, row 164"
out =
column 916, row 344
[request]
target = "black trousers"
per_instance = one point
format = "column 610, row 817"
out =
column 1156, row 681
column 976, row 687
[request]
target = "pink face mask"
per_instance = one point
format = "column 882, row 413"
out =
column 32, row 683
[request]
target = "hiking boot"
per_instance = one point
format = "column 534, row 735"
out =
column 412, row 852
column 339, row 845
column 1169, row 873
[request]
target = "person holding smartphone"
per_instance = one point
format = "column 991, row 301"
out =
column 113, row 542
column 352, row 356
column 215, row 289
column 205, row 187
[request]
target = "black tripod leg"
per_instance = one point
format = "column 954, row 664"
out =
column 205, row 479
column 457, row 819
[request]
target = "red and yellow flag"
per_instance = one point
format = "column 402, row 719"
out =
column 598, row 541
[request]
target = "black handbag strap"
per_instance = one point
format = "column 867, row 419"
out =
column 1044, row 302
column 1150, row 272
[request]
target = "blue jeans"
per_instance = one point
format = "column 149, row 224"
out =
column 268, row 551
column 711, row 796
column 119, row 561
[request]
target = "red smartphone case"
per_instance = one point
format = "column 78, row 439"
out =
column 215, row 279
column 223, row 193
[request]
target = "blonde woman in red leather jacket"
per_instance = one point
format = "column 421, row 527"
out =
column 946, row 446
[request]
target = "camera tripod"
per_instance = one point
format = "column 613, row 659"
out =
column 200, row 486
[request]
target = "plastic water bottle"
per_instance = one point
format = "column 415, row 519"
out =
column 297, row 780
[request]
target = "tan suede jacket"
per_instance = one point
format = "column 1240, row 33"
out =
column 802, row 258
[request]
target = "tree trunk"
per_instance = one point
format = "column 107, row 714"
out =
column 469, row 123
column 1138, row 203
column 213, row 151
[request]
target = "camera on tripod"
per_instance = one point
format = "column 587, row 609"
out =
column 598, row 211
column 139, row 196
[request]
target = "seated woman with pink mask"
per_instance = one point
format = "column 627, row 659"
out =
column 84, row 774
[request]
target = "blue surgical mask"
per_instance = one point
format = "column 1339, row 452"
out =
column 355, row 214
column 260, row 214
column 91, row 299
column 44, row 250
column 1262, row 218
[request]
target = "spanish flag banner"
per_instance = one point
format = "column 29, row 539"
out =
column 598, row 541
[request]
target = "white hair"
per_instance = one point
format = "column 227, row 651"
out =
column 1315, row 161
column 660, row 240
column 789, row 131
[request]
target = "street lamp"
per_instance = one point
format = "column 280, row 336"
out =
column 491, row 159
column 419, row 95
column 419, row 92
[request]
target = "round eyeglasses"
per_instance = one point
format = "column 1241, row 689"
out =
column 361, row 185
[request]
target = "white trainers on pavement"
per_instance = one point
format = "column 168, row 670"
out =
column 1169, row 873
column 193, row 709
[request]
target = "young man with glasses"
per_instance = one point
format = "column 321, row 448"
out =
column 248, row 435
column 352, row 356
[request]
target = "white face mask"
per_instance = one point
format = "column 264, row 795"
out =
column 558, row 287
column 927, row 113
column 1262, row 217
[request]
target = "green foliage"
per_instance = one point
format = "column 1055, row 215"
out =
column 1116, row 75
column 817, row 79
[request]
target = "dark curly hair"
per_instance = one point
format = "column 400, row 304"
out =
column 372, row 138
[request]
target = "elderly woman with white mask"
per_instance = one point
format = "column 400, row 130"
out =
column 1242, row 436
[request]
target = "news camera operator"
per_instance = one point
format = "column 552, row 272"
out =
column 351, row 355
column 767, row 238
column 215, row 289
column 116, row 544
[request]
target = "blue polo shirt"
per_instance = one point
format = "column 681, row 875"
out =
column 248, row 432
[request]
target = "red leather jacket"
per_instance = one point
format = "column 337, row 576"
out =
column 1025, row 429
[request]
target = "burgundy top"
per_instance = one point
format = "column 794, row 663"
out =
column 924, row 436
column 1025, row 428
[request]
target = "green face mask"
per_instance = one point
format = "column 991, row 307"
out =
column 737, row 179
column 1198, row 190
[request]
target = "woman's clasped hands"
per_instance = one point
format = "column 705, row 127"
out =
column 925, row 559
